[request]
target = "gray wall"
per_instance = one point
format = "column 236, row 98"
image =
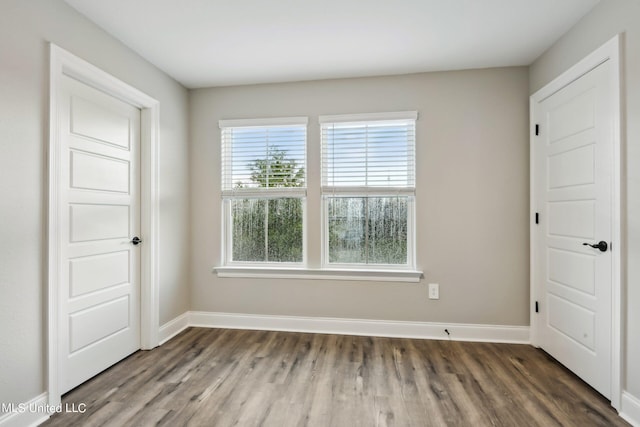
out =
column 26, row 27
column 472, row 190
column 606, row 20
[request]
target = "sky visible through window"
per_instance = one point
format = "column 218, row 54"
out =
column 251, row 144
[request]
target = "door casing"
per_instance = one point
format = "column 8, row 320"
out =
column 64, row 63
column 610, row 51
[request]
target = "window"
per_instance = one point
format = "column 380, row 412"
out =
column 264, row 190
column 363, row 189
column 368, row 190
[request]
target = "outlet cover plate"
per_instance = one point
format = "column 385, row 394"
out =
column 434, row 291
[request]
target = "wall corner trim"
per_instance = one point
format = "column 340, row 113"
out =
column 342, row 326
column 630, row 409
column 31, row 413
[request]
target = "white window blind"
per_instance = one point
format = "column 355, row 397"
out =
column 368, row 153
column 264, row 156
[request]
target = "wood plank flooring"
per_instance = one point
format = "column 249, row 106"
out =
column 222, row 377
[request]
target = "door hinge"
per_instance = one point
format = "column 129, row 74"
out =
column 537, row 218
column 537, row 130
column 537, row 308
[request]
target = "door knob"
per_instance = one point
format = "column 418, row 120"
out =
column 136, row 240
column 602, row 245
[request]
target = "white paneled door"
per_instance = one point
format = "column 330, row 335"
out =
column 573, row 180
column 99, row 293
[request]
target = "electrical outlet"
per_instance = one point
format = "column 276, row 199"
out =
column 434, row 291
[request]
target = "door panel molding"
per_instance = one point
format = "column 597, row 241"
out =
column 609, row 52
column 64, row 63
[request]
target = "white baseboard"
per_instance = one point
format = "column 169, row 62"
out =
column 630, row 410
column 173, row 328
column 33, row 413
column 363, row 327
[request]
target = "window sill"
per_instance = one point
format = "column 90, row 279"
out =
column 320, row 274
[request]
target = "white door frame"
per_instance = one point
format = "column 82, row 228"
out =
column 64, row 63
column 610, row 51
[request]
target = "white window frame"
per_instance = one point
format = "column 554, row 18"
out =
column 299, row 271
column 364, row 191
column 227, row 196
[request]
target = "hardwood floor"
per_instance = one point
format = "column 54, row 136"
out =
column 221, row 377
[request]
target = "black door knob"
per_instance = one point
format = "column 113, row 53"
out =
column 602, row 245
column 136, row 240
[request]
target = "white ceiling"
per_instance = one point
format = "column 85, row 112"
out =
column 204, row 43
